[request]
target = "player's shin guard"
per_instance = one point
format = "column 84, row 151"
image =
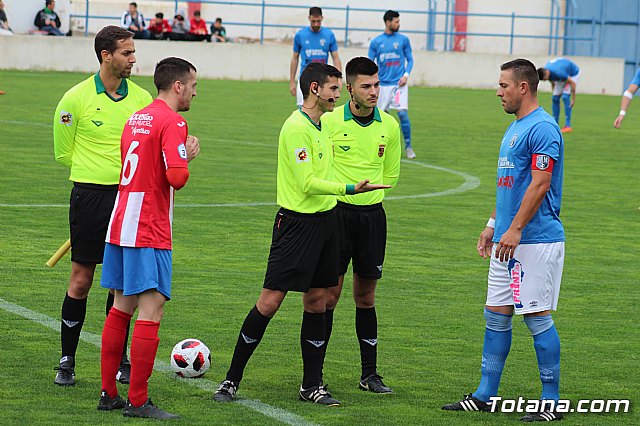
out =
column 555, row 107
column 113, row 335
column 405, row 126
column 109, row 305
column 251, row 333
column 566, row 100
column 144, row 346
column 312, row 343
column 547, row 345
column 497, row 343
column 367, row 332
column 73, row 314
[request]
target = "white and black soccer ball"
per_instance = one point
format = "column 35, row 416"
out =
column 190, row 358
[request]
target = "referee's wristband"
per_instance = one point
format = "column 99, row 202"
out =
column 622, row 112
column 351, row 189
column 491, row 223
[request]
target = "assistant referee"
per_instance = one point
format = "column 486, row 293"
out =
column 87, row 127
column 366, row 143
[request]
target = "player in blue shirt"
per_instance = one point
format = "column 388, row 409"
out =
column 311, row 44
column 392, row 52
column 564, row 76
column 627, row 97
column 525, row 240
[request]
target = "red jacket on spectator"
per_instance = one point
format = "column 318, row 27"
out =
column 198, row 27
column 156, row 28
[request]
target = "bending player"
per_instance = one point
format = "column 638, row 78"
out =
column 366, row 143
column 137, row 261
column 304, row 246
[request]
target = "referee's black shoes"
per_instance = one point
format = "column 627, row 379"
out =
column 468, row 403
column 226, row 391
column 319, row 395
column 66, row 375
column 373, row 383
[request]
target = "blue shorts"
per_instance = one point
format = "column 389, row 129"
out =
column 135, row 270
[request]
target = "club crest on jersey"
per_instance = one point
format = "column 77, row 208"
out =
column 301, row 155
column 513, row 141
column 182, row 151
column 66, row 118
column 516, row 275
column 542, row 162
column 395, row 45
column 322, row 42
column 381, row 150
column 181, row 124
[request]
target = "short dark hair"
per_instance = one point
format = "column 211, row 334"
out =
column 170, row 70
column 134, row 4
column 315, row 11
column 48, row 2
column 360, row 66
column 219, row 20
column 389, row 15
column 541, row 72
column 316, row 72
column 196, row 13
column 523, row 70
column 108, row 38
column 160, row 15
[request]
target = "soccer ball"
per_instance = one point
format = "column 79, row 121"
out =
column 190, row 358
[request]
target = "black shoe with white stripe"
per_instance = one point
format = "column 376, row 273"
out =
column 468, row 403
column 319, row 395
column 543, row 416
column 226, row 391
column 373, row 383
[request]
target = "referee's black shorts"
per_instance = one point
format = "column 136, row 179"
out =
column 89, row 214
column 362, row 235
column 304, row 251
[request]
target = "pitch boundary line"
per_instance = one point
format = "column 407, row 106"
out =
column 267, row 410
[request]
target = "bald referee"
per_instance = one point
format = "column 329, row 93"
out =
column 366, row 143
column 304, row 255
column 87, row 127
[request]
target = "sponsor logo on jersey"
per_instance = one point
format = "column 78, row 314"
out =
column 517, row 278
column 248, row 340
column 505, row 182
column 66, row 118
column 542, row 162
column 513, row 141
column 301, row 155
column 144, row 120
column 97, row 123
column 139, row 130
column 182, row 150
column 345, row 148
column 504, row 163
column 314, row 52
column 388, row 56
column 381, row 150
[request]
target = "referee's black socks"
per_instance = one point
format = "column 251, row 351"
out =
column 367, row 332
column 251, row 333
column 313, row 344
column 73, row 314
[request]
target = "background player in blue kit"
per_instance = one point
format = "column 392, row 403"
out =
column 627, row 97
column 311, row 44
column 392, row 52
column 527, row 253
column 564, row 76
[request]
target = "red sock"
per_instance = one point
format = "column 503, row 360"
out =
column 144, row 345
column 115, row 328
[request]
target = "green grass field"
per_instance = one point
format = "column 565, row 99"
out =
column 429, row 302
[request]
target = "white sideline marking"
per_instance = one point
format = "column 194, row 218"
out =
column 279, row 414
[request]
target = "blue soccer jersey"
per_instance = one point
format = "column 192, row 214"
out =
column 392, row 53
column 537, row 133
column 636, row 78
column 314, row 47
column 561, row 69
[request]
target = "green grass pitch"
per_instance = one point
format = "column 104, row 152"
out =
column 429, row 301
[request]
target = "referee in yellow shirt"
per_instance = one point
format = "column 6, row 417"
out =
column 366, row 142
column 87, row 127
column 304, row 246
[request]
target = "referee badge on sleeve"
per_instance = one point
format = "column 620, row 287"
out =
column 301, row 155
column 66, row 118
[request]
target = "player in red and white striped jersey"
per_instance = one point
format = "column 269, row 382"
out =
column 155, row 150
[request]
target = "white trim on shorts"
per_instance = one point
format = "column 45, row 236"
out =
column 533, row 283
column 394, row 97
column 562, row 87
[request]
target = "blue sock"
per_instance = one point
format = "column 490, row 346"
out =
column 405, row 126
column 566, row 99
column 547, row 344
column 497, row 342
column 555, row 107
